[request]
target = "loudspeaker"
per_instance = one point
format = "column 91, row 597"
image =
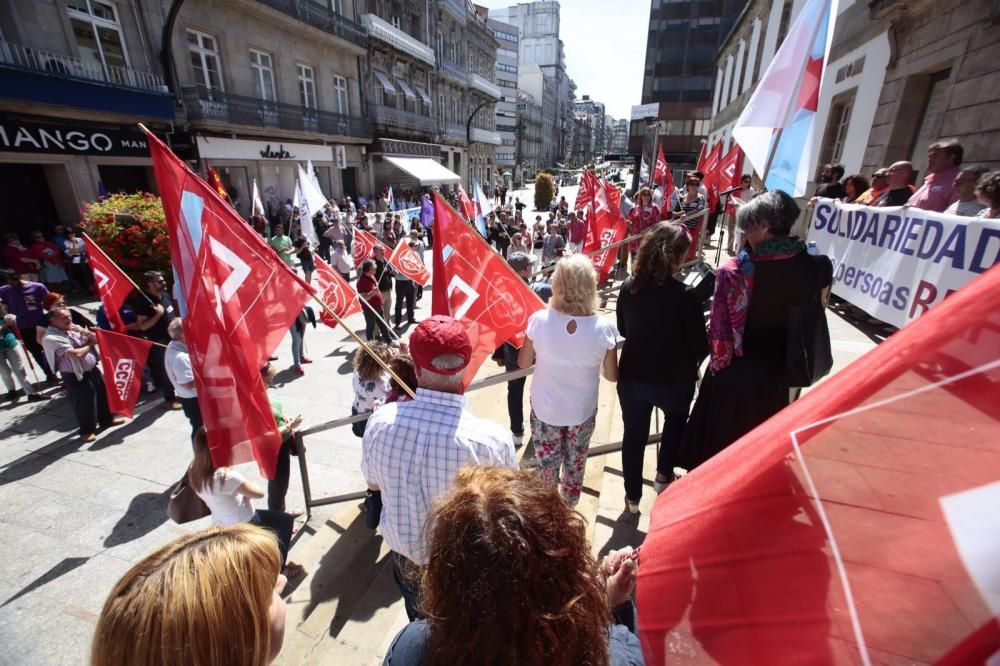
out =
column 700, row 278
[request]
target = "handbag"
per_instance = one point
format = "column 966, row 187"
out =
column 185, row 506
column 808, row 356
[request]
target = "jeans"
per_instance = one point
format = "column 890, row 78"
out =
column 90, row 402
column 278, row 522
column 407, row 575
column 637, row 400
column 372, row 324
column 156, row 368
column 11, row 367
column 193, row 413
column 405, row 295
column 515, row 405
column 277, row 487
column 296, row 344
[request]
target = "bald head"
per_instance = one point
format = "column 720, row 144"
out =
column 900, row 175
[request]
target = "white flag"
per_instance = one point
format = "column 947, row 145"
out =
column 257, row 204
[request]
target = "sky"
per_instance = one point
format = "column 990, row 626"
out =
column 605, row 45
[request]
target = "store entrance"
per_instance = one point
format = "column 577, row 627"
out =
column 128, row 179
column 349, row 181
column 28, row 205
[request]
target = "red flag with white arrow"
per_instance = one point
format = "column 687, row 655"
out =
column 113, row 286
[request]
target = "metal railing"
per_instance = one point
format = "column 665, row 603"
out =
column 452, row 131
column 322, row 18
column 391, row 117
column 485, row 136
column 485, row 86
column 212, row 105
column 455, row 72
column 58, row 64
column 396, row 38
column 456, row 7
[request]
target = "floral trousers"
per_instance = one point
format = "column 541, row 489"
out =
column 565, row 447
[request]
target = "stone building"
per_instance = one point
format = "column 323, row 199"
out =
column 482, row 95
column 530, row 139
column 506, row 78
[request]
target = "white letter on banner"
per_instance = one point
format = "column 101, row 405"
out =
column 472, row 295
column 231, row 259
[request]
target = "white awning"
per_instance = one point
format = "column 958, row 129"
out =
column 407, row 90
column 426, row 170
column 384, row 80
column 424, row 96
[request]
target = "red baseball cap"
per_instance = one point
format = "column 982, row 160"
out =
column 438, row 336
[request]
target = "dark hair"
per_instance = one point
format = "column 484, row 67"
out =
column 660, row 253
column 774, row 209
column 403, row 366
column 367, row 265
column 951, row 147
column 977, row 169
column 860, row 183
column 8, row 275
column 989, row 184
column 838, row 170
column 299, row 242
column 511, row 573
column 367, row 366
column 151, row 276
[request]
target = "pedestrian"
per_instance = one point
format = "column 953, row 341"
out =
column 938, row 189
column 879, row 184
column 79, row 266
column 438, row 425
column 305, row 257
column 576, row 228
column 665, row 343
column 23, row 299
column 282, row 244
column 830, row 186
column 298, row 333
column 406, row 294
column 154, row 312
column 855, row 185
column 988, row 191
column 228, row 496
column 11, row 365
column 517, row 246
column 341, row 260
column 690, row 202
column 553, row 245
column 966, row 203
column 385, row 274
column 71, row 351
column 745, row 193
column 208, row 597
column 643, row 215
column 177, row 364
column 20, row 259
column 570, row 346
column 368, row 290
column 53, row 263
column 370, row 381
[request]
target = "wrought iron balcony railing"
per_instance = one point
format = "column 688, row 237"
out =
column 398, row 39
column 388, row 116
column 453, row 71
column 23, row 57
column 322, row 18
column 485, row 86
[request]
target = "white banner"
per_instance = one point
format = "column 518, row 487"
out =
column 896, row 262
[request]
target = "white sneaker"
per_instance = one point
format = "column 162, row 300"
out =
column 633, row 507
column 518, row 440
column 150, row 387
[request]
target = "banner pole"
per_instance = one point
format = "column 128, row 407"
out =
column 27, row 356
column 770, row 156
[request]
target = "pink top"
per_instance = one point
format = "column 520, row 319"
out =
column 576, row 229
column 937, row 192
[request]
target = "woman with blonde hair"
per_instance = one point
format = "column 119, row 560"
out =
column 570, row 346
column 211, row 598
column 511, row 580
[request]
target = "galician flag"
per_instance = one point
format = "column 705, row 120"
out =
column 258, row 204
column 780, row 117
column 390, row 200
column 482, row 206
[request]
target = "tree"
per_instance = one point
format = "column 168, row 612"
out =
column 544, row 191
column 132, row 230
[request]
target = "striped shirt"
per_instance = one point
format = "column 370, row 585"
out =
column 412, row 451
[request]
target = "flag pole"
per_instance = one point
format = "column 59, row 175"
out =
column 105, row 255
column 770, row 156
column 27, row 356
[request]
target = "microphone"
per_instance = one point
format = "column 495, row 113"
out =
column 730, row 191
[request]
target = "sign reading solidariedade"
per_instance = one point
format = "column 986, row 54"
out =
column 25, row 137
column 895, row 263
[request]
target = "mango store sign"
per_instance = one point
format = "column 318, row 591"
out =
column 72, row 139
column 212, row 148
column 896, row 262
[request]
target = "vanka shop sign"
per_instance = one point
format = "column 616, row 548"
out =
column 75, row 139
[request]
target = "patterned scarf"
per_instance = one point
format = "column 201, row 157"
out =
column 731, row 302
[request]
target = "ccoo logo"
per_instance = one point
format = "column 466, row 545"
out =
column 123, row 375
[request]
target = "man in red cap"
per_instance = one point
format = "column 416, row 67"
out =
column 412, row 450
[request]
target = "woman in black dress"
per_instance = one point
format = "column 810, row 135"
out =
column 754, row 294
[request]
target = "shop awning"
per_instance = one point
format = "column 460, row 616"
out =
column 407, row 90
column 426, row 170
column 424, row 96
column 384, row 80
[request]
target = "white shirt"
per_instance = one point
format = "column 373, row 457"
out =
column 412, row 451
column 342, row 261
column 222, row 496
column 177, row 363
column 567, row 365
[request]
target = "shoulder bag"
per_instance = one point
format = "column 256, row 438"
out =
column 185, row 506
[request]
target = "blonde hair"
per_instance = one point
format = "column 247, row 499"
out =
column 574, row 286
column 202, row 600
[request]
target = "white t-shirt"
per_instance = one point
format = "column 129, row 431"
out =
column 228, row 506
column 567, row 365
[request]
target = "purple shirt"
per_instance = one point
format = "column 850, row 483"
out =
column 937, row 192
column 25, row 303
column 63, row 363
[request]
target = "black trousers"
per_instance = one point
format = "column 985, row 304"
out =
column 372, row 324
column 277, row 487
column 159, row 372
column 515, row 405
column 193, row 413
column 405, row 291
column 90, row 402
column 324, row 248
column 32, row 345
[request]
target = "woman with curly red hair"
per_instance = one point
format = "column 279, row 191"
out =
column 511, row 580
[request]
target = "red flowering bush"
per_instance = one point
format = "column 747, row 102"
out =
column 132, row 230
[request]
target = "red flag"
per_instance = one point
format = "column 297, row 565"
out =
column 123, row 358
column 465, row 204
column 364, row 246
column 702, row 154
column 405, row 260
column 662, row 175
column 730, row 172
column 858, row 525
column 711, row 171
column 336, row 293
column 113, row 286
column 216, row 182
column 241, row 300
column 473, row 284
column 606, row 226
column 588, row 186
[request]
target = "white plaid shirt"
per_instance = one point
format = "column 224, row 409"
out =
column 412, row 451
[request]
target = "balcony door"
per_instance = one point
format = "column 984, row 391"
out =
column 99, row 41
column 262, row 68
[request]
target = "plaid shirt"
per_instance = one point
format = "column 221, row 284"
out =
column 412, row 451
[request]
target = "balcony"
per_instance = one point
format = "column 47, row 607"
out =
column 320, row 17
column 390, row 117
column 485, row 136
column 43, row 77
column 484, row 86
column 455, row 7
column 454, row 72
column 397, row 39
column 453, row 131
column 213, row 106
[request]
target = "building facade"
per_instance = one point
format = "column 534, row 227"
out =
column 507, row 122
column 544, row 90
column 76, row 78
column 594, row 111
column 483, row 95
column 530, row 156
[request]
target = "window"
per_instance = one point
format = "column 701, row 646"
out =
column 786, row 18
column 836, row 129
column 98, row 37
column 343, row 104
column 337, row 6
column 263, row 75
column 506, row 68
column 307, row 86
column 204, row 50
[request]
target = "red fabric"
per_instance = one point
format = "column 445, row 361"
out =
column 48, row 251
column 437, row 336
column 585, row 194
column 113, row 286
column 702, row 155
column 864, row 495
column 465, row 204
column 662, row 175
column 241, row 300
column 405, row 260
column 711, row 171
column 335, row 292
column 216, row 183
column 123, row 358
column 606, row 226
column 730, row 172
column 364, row 246
column 473, row 284
column 366, row 285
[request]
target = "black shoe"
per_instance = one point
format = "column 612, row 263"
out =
column 411, row 321
column 272, row 358
column 12, row 395
column 37, row 397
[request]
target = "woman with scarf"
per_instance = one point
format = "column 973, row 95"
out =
column 754, row 295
